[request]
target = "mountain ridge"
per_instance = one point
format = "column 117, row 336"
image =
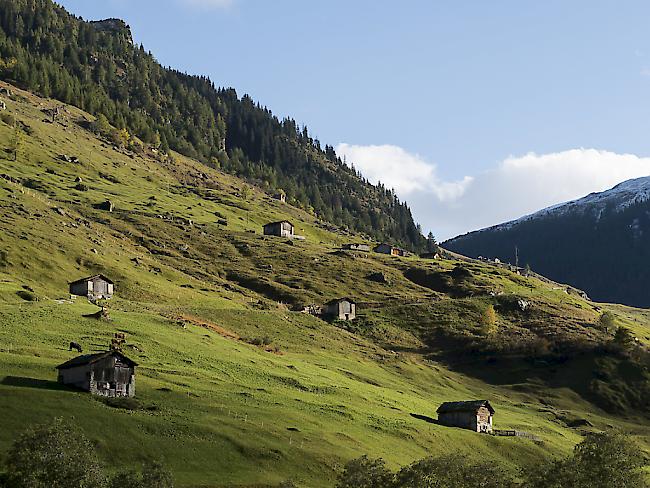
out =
column 590, row 242
column 96, row 67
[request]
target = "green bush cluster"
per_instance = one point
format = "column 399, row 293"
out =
column 59, row 455
column 602, row 460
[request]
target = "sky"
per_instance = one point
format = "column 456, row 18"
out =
column 475, row 112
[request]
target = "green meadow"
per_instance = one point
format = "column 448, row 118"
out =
column 198, row 286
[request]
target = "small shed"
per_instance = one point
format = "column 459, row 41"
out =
column 474, row 415
column 340, row 309
column 390, row 250
column 283, row 228
column 280, row 196
column 109, row 374
column 97, row 287
column 355, row 246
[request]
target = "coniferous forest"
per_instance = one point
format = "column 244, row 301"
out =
column 97, row 67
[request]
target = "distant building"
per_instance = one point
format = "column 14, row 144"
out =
column 281, row 196
column 284, row 228
column 109, row 374
column 357, row 247
column 97, row 287
column 3, row 105
column 340, row 309
column 474, row 415
column 430, row 255
column 390, row 250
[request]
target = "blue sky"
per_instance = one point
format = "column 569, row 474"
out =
column 476, row 112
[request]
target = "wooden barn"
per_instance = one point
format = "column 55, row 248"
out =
column 97, row 287
column 284, row 228
column 390, row 250
column 340, row 309
column 109, row 374
column 474, row 415
column 354, row 246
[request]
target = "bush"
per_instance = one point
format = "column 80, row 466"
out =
column 442, row 472
column 60, row 456
column 153, row 475
column 607, row 321
column 452, row 472
column 8, row 119
column 53, row 456
column 602, row 460
column 489, row 321
column 26, row 295
column 366, row 473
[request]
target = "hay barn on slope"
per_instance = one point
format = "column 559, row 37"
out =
column 109, row 374
column 97, row 286
column 474, row 415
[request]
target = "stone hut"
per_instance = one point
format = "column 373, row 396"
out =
column 97, row 287
column 109, row 374
column 284, row 228
column 390, row 250
column 474, row 415
column 340, row 309
column 280, row 196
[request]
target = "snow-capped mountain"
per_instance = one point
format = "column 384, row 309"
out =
column 599, row 243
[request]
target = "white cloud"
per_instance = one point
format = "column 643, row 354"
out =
column 206, row 4
column 517, row 186
column 398, row 169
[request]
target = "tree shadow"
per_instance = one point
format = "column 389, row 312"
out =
column 22, row 382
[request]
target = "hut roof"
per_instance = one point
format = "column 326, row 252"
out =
column 92, row 358
column 339, row 300
column 92, row 278
column 279, row 222
column 467, row 406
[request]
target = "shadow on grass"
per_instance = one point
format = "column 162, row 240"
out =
column 427, row 419
column 33, row 383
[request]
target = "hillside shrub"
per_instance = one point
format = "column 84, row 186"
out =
column 59, row 455
column 489, row 321
column 606, row 321
column 53, row 456
column 449, row 471
column 27, row 295
column 601, row 460
column 8, row 119
column 366, row 473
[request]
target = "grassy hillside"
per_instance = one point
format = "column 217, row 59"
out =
column 195, row 296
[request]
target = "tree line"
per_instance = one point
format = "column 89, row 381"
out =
column 601, row 460
column 97, row 67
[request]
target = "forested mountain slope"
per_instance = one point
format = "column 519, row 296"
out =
column 96, row 66
column 599, row 243
column 235, row 386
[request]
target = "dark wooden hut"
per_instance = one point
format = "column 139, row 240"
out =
column 109, row 374
column 283, row 228
column 390, row 250
column 474, row 415
column 97, row 287
column 340, row 309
